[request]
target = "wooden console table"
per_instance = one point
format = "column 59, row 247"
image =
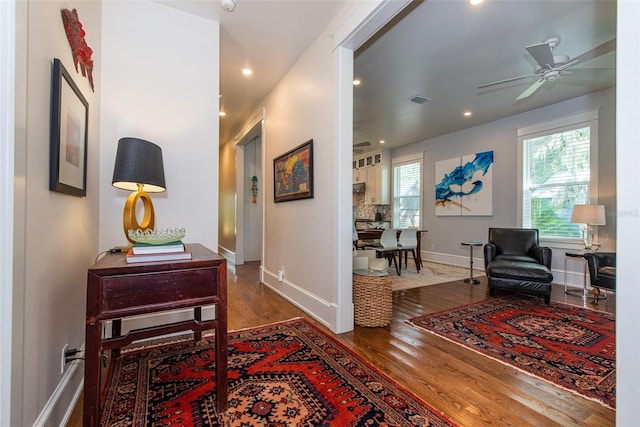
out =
column 116, row 290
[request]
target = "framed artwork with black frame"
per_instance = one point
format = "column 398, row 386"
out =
column 293, row 174
column 68, row 135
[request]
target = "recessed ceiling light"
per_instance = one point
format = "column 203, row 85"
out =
column 475, row 2
column 382, row 141
column 356, row 82
column 247, row 71
column 467, row 114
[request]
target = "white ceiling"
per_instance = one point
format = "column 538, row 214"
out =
column 266, row 35
column 440, row 49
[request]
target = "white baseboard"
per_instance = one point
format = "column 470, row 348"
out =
column 162, row 318
column 229, row 255
column 456, row 260
column 316, row 307
column 573, row 278
column 58, row 409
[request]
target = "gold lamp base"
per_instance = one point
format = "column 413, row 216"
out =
column 129, row 218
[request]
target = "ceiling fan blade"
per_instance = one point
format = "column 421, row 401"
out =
column 597, row 51
column 506, row 81
column 542, row 54
column 534, row 87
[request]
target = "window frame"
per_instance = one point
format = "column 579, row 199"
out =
column 584, row 119
column 401, row 162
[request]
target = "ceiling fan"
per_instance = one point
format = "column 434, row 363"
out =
column 357, row 147
column 550, row 67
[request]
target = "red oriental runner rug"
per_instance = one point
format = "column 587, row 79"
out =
column 283, row 374
column 571, row 347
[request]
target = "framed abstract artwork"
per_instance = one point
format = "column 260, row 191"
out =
column 464, row 185
column 68, row 135
column 293, row 174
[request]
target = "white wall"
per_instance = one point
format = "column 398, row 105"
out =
column 161, row 81
column 7, row 147
column 628, row 214
column 298, row 233
column 442, row 242
column 55, row 235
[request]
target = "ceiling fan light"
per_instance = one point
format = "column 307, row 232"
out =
column 551, row 75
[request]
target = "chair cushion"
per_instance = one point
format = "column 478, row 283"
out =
column 519, row 270
column 516, row 258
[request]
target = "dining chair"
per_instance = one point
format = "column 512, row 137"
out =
column 388, row 247
column 408, row 242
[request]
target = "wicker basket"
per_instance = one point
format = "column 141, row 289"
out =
column 372, row 300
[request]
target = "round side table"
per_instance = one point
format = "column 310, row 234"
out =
column 471, row 244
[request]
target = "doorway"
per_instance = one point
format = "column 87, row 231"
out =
column 249, row 221
column 252, row 200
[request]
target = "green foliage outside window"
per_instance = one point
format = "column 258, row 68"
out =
column 556, row 176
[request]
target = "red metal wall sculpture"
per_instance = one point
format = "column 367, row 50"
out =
column 81, row 51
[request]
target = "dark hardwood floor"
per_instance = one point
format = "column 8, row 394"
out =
column 470, row 389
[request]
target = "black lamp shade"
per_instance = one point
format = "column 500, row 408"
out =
column 138, row 162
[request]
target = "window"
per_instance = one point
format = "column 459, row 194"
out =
column 558, row 164
column 407, row 196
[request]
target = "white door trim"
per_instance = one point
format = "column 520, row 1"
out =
column 7, row 146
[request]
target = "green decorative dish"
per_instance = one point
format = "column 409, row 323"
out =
column 157, row 237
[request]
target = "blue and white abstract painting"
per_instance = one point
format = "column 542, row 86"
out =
column 464, row 185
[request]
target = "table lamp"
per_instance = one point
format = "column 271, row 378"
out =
column 138, row 168
column 589, row 215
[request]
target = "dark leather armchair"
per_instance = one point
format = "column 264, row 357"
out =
column 514, row 261
column 602, row 271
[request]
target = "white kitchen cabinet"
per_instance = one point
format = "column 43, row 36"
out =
column 374, row 169
column 377, row 187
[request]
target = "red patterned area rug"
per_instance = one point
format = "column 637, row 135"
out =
column 283, row 374
column 571, row 347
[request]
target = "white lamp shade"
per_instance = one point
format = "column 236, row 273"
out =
column 588, row 214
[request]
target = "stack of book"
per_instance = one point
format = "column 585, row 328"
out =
column 144, row 252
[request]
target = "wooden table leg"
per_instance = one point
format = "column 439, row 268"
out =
column 197, row 316
column 419, row 248
column 116, row 331
column 92, row 375
column 221, row 357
